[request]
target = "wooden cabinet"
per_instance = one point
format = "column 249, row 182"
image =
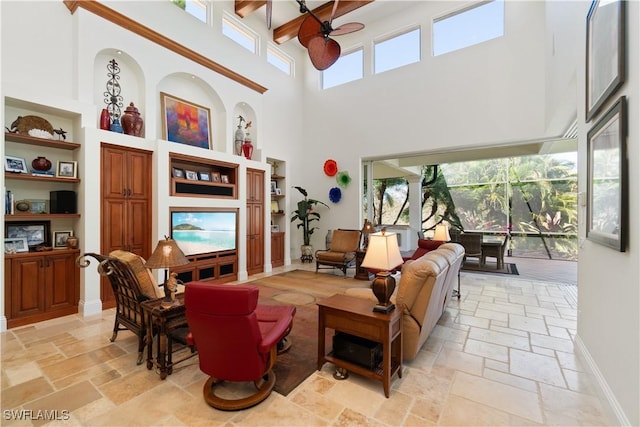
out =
column 255, row 221
column 126, row 205
column 41, row 286
column 277, row 249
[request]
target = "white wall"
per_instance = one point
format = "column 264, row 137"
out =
column 609, row 293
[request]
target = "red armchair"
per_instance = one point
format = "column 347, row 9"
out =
column 233, row 343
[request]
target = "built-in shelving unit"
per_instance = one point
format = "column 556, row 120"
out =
column 201, row 177
column 278, row 216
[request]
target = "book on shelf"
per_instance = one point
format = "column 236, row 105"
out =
column 41, row 173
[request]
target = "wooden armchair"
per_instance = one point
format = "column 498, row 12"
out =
column 132, row 283
column 342, row 252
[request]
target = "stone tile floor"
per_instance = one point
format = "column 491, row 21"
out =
column 502, row 355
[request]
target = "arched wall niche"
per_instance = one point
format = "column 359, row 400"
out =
column 249, row 115
column 196, row 91
column 131, row 79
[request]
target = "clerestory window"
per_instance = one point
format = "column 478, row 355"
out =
column 348, row 67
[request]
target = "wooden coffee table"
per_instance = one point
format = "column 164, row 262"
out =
column 355, row 316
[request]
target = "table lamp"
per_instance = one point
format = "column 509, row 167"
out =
column 383, row 254
column 367, row 229
column 167, row 255
column 442, row 233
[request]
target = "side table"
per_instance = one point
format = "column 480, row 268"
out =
column 355, row 316
column 164, row 321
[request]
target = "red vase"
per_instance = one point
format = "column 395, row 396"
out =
column 247, row 149
column 41, row 164
column 131, row 121
column 105, row 119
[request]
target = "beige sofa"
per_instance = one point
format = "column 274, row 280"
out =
column 424, row 290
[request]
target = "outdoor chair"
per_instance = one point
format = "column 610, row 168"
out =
column 472, row 244
column 496, row 252
column 234, row 344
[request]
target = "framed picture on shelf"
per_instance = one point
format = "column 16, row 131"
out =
column 607, row 191
column 39, row 206
column 224, row 179
column 278, row 191
column 13, row 245
column 274, row 187
column 67, row 169
column 177, row 173
column 275, row 228
column 15, row 164
column 191, row 175
column 605, row 68
column 204, row 176
column 36, row 232
column 185, row 122
column 274, row 206
column 215, row 176
column 60, row 239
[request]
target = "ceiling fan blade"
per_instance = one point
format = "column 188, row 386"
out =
column 323, row 52
column 309, row 29
column 350, row 27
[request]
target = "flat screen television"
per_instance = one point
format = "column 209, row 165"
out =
column 200, row 231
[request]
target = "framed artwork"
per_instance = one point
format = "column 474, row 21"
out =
column 39, row 206
column 15, row 164
column 13, row 245
column 215, row 176
column 275, row 228
column 185, row 122
column 177, row 173
column 224, row 179
column 278, row 191
column 60, row 239
column 607, row 197
column 605, row 65
column 274, row 187
column 191, row 175
column 274, row 206
column 67, row 169
column 204, row 176
column 36, row 232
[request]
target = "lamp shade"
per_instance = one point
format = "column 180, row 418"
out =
column 383, row 252
column 166, row 255
column 442, row 233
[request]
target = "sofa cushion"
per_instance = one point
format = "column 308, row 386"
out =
column 136, row 263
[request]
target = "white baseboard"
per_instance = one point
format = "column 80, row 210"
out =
column 606, row 391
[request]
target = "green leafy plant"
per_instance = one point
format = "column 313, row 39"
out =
column 305, row 214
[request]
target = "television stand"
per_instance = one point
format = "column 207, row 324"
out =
column 219, row 266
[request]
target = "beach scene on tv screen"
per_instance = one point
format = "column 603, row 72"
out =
column 203, row 232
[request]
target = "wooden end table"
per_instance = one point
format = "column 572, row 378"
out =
column 361, row 272
column 164, row 321
column 355, row 316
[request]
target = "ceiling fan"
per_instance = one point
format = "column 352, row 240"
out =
column 314, row 35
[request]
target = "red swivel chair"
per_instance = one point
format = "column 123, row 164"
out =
column 233, row 344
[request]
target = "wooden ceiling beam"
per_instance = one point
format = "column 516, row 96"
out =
column 289, row 30
column 245, row 8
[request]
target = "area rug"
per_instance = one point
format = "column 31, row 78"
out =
column 302, row 289
column 490, row 268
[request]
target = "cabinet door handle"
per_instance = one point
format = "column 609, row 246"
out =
column 124, row 191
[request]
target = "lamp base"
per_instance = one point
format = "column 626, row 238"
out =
column 386, row 309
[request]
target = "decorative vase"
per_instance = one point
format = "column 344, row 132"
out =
column 116, row 126
column 131, row 121
column 238, row 141
column 307, row 253
column 247, row 147
column 41, row 164
column 72, row 242
column 105, row 119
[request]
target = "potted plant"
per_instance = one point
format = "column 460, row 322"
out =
column 305, row 215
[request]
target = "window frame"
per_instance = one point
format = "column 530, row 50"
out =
column 344, row 55
column 242, row 30
column 394, row 35
column 273, row 50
